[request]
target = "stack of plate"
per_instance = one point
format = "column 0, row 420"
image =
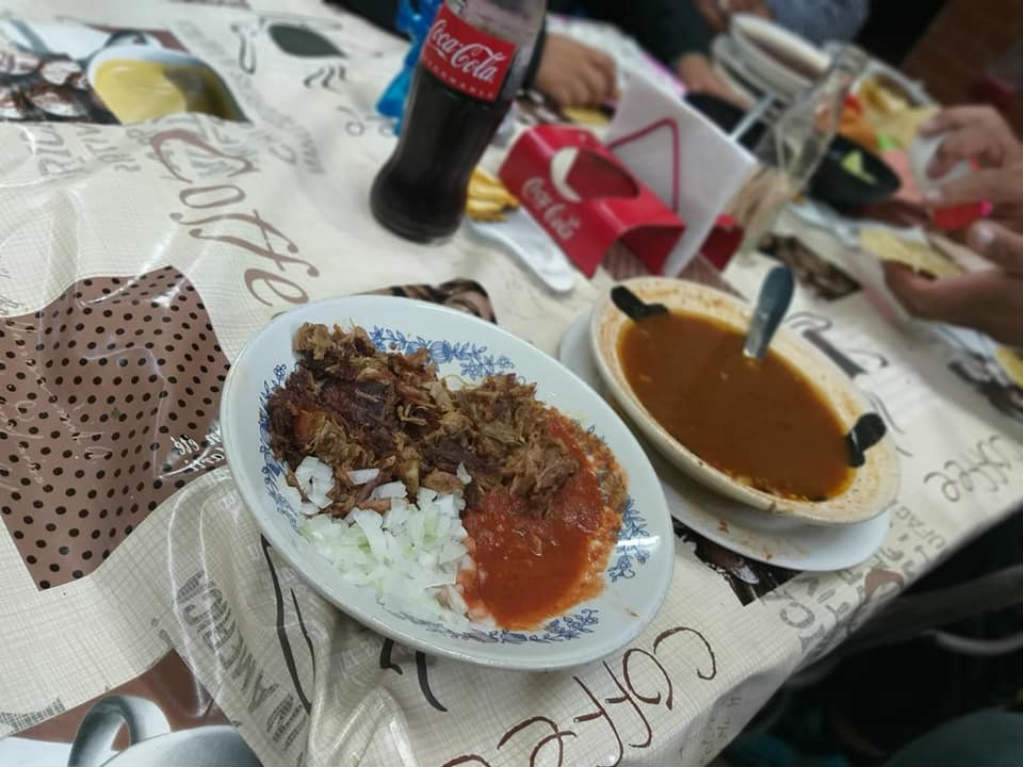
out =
column 759, row 57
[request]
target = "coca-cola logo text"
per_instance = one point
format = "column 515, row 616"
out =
column 466, row 58
column 553, row 213
column 474, row 59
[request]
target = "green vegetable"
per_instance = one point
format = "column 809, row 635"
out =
column 886, row 142
column 853, row 164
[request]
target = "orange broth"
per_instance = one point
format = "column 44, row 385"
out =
column 761, row 422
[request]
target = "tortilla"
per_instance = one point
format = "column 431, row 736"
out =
column 1009, row 360
column 919, row 256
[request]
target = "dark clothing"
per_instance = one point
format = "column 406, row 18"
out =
column 665, row 28
column 989, row 738
column 380, row 12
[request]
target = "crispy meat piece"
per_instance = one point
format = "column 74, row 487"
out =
column 442, row 482
column 354, row 407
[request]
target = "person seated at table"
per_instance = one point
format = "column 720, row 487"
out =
column 673, row 31
column 574, row 74
column 819, row 21
column 816, row 20
column 991, row 300
column 679, row 34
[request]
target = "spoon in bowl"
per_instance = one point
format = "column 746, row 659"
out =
column 772, row 303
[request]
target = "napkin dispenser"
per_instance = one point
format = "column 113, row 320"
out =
column 586, row 199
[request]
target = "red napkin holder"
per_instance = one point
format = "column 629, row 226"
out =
column 722, row 241
column 597, row 203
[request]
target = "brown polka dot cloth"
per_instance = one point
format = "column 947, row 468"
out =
column 109, row 404
column 109, row 394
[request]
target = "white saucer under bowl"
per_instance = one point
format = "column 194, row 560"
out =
column 764, row 537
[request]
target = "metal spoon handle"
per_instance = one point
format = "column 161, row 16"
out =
column 772, row 303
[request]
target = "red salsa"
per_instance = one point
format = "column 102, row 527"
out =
column 529, row 568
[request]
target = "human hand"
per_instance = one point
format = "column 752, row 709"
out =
column 574, row 74
column 696, row 72
column 978, row 134
column 990, row 301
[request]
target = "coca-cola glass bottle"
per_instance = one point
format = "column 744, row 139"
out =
column 471, row 66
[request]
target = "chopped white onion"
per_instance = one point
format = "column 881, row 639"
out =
column 362, row 476
column 463, row 474
column 412, row 553
column 389, row 490
column 294, row 498
column 315, row 479
column 319, row 500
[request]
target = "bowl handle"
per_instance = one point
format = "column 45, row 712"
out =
column 868, row 431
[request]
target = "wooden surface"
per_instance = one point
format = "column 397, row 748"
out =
column 962, row 43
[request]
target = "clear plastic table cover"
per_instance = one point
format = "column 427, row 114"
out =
column 174, row 175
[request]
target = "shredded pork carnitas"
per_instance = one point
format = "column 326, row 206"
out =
column 354, row 407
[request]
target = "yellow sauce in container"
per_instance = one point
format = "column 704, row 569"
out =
column 137, row 89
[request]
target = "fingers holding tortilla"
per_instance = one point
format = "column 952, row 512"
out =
column 990, row 301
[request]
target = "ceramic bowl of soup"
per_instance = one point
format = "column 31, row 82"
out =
column 783, row 434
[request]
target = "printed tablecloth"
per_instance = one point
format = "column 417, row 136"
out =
column 135, row 261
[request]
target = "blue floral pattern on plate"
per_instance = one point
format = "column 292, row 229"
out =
column 627, row 550
column 473, row 360
column 474, row 363
column 558, row 630
column 272, row 470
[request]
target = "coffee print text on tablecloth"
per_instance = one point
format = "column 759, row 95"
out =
column 632, row 685
column 216, row 211
column 205, row 612
column 103, row 388
column 811, row 606
column 981, row 468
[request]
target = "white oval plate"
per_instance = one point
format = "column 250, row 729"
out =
column 730, row 523
column 873, row 485
column 639, row 568
column 756, row 37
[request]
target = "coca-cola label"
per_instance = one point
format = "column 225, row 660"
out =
column 465, row 57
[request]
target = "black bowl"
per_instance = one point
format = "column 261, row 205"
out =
column 831, row 182
column 725, row 115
